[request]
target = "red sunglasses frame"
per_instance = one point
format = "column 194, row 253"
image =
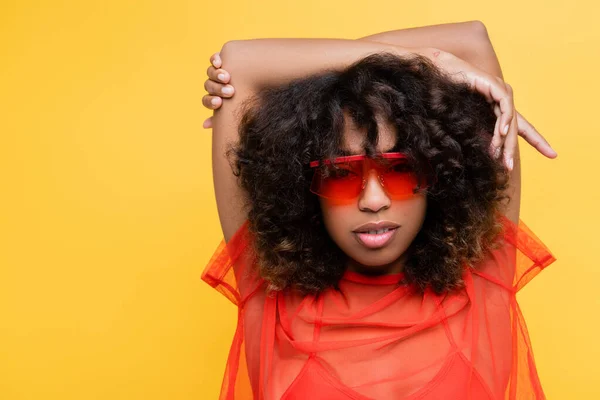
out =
column 358, row 157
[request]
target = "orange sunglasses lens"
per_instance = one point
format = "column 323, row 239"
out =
column 345, row 181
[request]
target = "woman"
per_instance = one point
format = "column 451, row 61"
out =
column 372, row 235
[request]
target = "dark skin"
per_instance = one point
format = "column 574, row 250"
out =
column 462, row 48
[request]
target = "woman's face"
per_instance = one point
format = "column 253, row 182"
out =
column 373, row 205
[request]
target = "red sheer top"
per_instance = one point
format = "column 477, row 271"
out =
column 375, row 339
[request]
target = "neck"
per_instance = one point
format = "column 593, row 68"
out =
column 394, row 267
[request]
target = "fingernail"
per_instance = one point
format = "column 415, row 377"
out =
column 505, row 131
column 214, row 101
column 227, row 90
column 221, row 77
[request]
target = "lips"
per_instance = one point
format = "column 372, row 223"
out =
column 376, row 240
column 375, row 226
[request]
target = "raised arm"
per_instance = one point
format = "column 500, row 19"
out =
column 260, row 62
column 469, row 41
column 252, row 65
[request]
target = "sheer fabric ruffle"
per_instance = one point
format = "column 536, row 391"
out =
column 375, row 339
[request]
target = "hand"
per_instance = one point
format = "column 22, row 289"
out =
column 510, row 123
column 495, row 90
column 216, row 86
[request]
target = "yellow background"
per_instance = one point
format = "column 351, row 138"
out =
column 109, row 214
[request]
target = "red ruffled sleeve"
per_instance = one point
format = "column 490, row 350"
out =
column 232, row 267
column 520, row 257
column 503, row 354
column 232, row 271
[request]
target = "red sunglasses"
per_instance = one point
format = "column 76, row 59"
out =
column 344, row 178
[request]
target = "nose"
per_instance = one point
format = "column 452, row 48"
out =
column 373, row 197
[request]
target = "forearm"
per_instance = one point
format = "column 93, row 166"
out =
column 467, row 40
column 470, row 42
column 260, row 62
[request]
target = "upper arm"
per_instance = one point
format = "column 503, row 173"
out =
column 469, row 41
column 463, row 39
column 514, row 189
column 229, row 195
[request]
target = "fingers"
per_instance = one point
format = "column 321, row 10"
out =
column 505, row 135
column 483, row 86
column 493, row 88
column 497, row 91
column 533, row 137
column 208, row 123
column 215, row 60
column 497, row 111
column 510, row 144
column 218, row 89
column 503, row 94
column 216, row 83
column 218, row 75
column 496, row 143
column 212, row 102
column 509, row 123
column 216, row 86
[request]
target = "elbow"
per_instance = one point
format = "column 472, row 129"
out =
column 232, row 58
column 233, row 49
column 228, row 51
column 478, row 29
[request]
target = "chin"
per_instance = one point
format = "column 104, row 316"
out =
column 375, row 261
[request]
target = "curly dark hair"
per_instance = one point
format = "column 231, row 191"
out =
column 443, row 126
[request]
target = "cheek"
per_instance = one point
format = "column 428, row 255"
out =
column 413, row 214
column 415, row 207
column 337, row 217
